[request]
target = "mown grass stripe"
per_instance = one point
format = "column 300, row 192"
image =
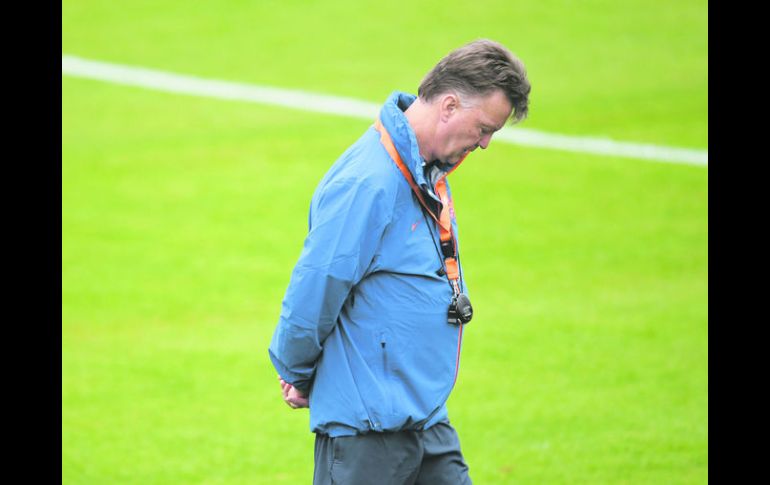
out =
column 337, row 105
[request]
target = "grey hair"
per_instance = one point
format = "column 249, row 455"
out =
column 477, row 69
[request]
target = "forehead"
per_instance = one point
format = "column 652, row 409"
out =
column 493, row 109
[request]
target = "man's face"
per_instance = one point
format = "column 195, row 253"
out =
column 469, row 124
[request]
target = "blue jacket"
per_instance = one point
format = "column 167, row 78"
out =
column 363, row 326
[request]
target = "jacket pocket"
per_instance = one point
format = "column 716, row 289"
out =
column 384, row 352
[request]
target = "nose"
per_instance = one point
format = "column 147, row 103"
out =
column 485, row 141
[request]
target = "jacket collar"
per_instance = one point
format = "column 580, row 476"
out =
column 393, row 119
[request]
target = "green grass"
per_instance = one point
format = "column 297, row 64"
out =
column 587, row 360
column 632, row 70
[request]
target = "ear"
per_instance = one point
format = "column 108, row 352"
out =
column 448, row 106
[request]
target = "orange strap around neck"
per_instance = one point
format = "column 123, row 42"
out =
column 444, row 220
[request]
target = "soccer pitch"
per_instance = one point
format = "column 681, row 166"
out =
column 587, row 359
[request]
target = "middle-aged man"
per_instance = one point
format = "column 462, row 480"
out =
column 371, row 326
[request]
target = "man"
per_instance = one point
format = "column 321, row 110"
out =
column 371, row 326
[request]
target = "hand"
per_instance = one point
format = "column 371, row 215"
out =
column 292, row 396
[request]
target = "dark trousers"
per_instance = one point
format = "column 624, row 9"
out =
column 428, row 457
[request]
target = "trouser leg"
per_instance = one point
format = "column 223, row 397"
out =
column 442, row 461
column 430, row 457
column 322, row 460
column 372, row 458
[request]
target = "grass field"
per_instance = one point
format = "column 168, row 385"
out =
column 587, row 360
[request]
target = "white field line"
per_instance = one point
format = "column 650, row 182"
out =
column 177, row 83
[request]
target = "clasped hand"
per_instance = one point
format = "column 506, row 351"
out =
column 292, row 396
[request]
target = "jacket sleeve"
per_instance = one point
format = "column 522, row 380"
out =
column 347, row 220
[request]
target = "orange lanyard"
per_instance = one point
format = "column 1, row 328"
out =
column 448, row 246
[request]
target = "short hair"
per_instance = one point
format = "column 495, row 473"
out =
column 477, row 69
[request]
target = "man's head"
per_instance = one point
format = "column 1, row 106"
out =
column 474, row 90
